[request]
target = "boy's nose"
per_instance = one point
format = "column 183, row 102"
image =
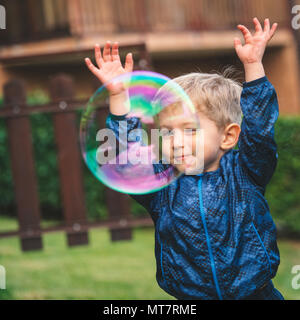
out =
column 178, row 139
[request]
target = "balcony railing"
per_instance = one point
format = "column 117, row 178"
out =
column 171, row 15
column 29, row 20
column 33, row 20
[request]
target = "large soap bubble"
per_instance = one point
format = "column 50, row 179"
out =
column 149, row 146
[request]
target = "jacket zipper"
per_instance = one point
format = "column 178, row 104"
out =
column 212, row 262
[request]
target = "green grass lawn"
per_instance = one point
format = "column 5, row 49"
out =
column 101, row 270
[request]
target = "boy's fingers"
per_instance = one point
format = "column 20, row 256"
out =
column 115, row 52
column 129, row 63
column 267, row 25
column 272, row 32
column 246, row 33
column 90, row 65
column 257, row 24
column 98, row 56
column 106, row 52
column 237, row 44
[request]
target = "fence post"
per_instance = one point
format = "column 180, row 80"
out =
column 71, row 180
column 119, row 210
column 23, row 169
column 118, row 204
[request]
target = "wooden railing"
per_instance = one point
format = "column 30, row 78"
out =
column 62, row 109
column 100, row 16
column 34, row 20
column 29, row 20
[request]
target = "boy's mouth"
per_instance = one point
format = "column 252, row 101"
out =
column 182, row 158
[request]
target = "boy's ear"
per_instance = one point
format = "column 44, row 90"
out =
column 230, row 136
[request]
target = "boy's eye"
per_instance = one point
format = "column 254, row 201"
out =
column 190, row 131
column 166, row 132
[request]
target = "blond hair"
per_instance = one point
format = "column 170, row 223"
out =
column 215, row 95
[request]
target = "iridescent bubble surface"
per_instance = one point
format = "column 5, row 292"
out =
column 134, row 154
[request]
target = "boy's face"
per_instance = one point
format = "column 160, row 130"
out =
column 181, row 137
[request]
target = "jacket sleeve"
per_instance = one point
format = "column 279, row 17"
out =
column 257, row 147
column 151, row 201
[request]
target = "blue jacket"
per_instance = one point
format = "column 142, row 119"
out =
column 214, row 235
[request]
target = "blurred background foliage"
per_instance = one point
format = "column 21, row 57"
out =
column 47, row 172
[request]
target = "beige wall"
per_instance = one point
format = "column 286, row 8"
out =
column 281, row 67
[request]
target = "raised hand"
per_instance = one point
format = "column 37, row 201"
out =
column 110, row 66
column 253, row 49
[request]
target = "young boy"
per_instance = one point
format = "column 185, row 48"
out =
column 214, row 235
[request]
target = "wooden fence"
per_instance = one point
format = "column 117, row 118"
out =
column 63, row 108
